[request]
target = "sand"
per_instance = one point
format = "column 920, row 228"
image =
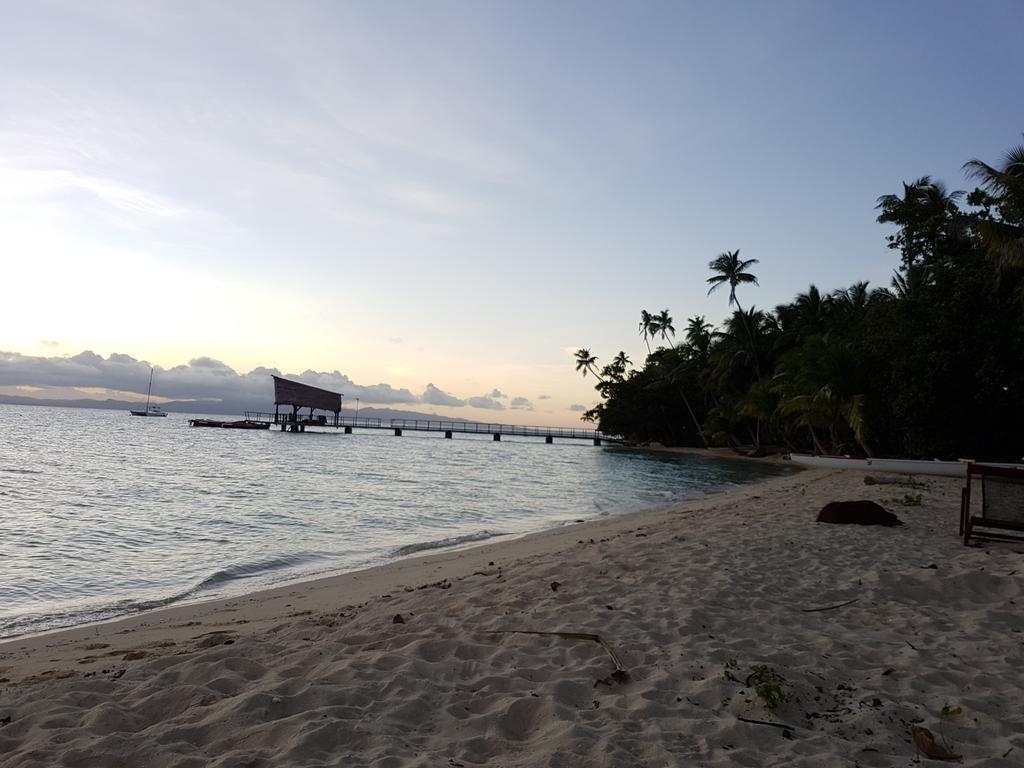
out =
column 421, row 663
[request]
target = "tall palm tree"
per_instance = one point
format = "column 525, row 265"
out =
column 587, row 362
column 664, row 325
column 732, row 271
column 647, row 326
column 1004, row 237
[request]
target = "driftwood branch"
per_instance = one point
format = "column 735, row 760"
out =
column 829, row 607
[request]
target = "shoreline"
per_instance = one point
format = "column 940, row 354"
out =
column 391, row 560
column 485, row 655
column 265, row 608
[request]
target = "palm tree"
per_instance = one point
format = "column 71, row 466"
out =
column 817, row 384
column 732, row 270
column 647, row 327
column 698, row 339
column 689, row 371
column 910, row 285
column 615, row 371
column 664, row 325
column 850, row 305
column 587, row 362
column 1003, row 237
column 853, row 300
column 807, row 315
column 928, row 217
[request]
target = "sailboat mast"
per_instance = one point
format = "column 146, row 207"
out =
column 148, row 391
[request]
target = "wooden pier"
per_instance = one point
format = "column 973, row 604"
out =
column 295, row 395
column 286, row 421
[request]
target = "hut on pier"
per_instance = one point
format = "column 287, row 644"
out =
column 298, row 396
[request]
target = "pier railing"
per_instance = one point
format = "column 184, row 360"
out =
column 318, row 420
column 447, row 426
column 481, row 428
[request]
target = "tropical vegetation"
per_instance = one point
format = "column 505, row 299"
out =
column 931, row 366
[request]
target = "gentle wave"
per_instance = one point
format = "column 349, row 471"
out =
column 451, row 541
column 248, row 570
column 72, row 617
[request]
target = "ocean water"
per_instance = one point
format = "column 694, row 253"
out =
column 103, row 514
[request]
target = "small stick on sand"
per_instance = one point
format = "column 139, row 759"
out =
column 783, row 726
column 620, row 673
column 829, row 607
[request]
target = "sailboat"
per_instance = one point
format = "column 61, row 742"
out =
column 151, row 410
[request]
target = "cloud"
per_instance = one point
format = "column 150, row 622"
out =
column 428, row 200
column 48, row 184
column 49, row 343
column 202, row 378
column 577, row 408
column 485, row 402
column 206, row 379
column 543, row 397
column 434, row 396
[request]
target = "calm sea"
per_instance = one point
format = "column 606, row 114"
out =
column 103, row 514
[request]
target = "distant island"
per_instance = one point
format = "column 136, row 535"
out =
column 213, row 408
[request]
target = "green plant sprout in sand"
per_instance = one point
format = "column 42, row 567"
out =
column 766, row 682
column 909, row 500
column 768, row 685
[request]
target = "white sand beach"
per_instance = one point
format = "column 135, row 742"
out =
column 863, row 631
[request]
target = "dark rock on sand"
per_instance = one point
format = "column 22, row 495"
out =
column 857, row 513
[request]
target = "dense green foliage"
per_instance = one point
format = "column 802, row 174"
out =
column 932, row 366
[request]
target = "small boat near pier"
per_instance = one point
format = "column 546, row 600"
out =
column 240, row 424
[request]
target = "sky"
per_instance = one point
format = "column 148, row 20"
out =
column 445, row 199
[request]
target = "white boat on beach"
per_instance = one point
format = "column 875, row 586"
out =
column 901, row 466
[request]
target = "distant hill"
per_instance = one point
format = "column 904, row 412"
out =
column 211, row 408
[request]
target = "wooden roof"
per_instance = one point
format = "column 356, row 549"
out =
column 287, row 392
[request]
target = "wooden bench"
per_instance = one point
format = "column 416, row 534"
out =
column 1002, row 504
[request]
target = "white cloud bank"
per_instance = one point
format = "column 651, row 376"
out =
column 204, row 379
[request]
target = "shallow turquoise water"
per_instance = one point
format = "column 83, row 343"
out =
column 103, row 514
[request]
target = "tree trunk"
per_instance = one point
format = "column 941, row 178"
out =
column 693, row 417
column 815, row 441
column 750, row 338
